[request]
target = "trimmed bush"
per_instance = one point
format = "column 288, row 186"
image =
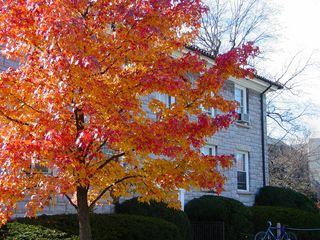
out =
column 19, row 231
column 284, row 197
column 288, row 217
column 158, row 210
column 104, row 227
column 234, row 214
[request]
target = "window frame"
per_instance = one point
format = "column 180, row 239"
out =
column 168, row 100
column 244, row 106
column 35, row 166
column 213, row 149
column 247, row 170
column 213, row 152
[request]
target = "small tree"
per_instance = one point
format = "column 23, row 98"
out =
column 78, row 104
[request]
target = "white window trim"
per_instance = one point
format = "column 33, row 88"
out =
column 247, row 171
column 236, row 86
column 181, row 197
column 209, row 111
column 213, row 150
column 165, row 99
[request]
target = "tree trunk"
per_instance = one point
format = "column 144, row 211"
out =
column 83, row 214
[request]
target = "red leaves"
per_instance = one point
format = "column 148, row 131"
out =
column 234, row 62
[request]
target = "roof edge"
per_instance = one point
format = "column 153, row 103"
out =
column 211, row 56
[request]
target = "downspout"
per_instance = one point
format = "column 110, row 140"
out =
column 262, row 136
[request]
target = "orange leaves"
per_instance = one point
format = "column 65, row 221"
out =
column 81, row 102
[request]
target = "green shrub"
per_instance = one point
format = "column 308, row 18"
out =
column 234, row 214
column 284, row 197
column 159, row 210
column 104, row 227
column 23, row 231
column 288, row 217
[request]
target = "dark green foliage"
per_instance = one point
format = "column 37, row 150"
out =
column 284, row 197
column 159, row 210
column 288, row 217
column 104, row 227
column 234, row 214
column 23, row 231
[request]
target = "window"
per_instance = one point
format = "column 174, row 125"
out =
column 242, row 161
column 209, row 150
column 37, row 167
column 209, row 111
column 168, row 100
column 240, row 95
column 41, row 169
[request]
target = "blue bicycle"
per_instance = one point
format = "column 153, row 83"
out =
column 270, row 235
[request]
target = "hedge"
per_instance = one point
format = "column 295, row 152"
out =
column 284, row 197
column 104, row 227
column 236, row 216
column 288, row 217
column 158, row 210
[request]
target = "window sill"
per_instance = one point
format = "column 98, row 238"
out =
column 243, row 125
column 244, row 192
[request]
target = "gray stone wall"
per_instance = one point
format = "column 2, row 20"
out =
column 5, row 64
column 61, row 205
column 240, row 137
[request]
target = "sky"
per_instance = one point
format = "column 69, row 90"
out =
column 299, row 23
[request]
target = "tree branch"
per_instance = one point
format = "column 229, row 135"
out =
column 13, row 119
column 108, row 188
column 86, row 11
column 24, row 103
column 69, row 199
column 106, row 162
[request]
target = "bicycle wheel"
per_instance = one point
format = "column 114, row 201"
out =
column 262, row 236
column 289, row 236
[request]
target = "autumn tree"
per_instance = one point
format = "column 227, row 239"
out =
column 81, row 103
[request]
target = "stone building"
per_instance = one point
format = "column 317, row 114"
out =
column 245, row 139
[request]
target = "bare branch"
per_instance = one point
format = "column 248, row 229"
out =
column 71, row 202
column 289, row 165
column 229, row 24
